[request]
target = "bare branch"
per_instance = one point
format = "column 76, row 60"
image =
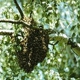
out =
column 6, row 32
column 15, row 22
column 10, row 21
column 19, row 9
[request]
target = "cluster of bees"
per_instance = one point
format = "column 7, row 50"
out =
column 34, row 46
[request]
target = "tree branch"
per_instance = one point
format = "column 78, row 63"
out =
column 50, row 31
column 6, row 32
column 15, row 22
column 19, row 9
column 63, row 38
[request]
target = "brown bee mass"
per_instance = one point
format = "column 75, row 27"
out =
column 34, row 46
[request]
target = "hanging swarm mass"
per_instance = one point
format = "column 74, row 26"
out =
column 34, row 46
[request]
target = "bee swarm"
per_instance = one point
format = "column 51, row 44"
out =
column 34, row 46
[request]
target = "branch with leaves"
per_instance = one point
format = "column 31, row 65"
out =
column 63, row 38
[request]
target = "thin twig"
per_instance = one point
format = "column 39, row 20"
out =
column 54, row 43
column 31, row 12
column 19, row 9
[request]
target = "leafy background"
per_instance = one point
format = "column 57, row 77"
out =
column 61, row 63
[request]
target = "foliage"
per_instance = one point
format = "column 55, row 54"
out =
column 61, row 63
